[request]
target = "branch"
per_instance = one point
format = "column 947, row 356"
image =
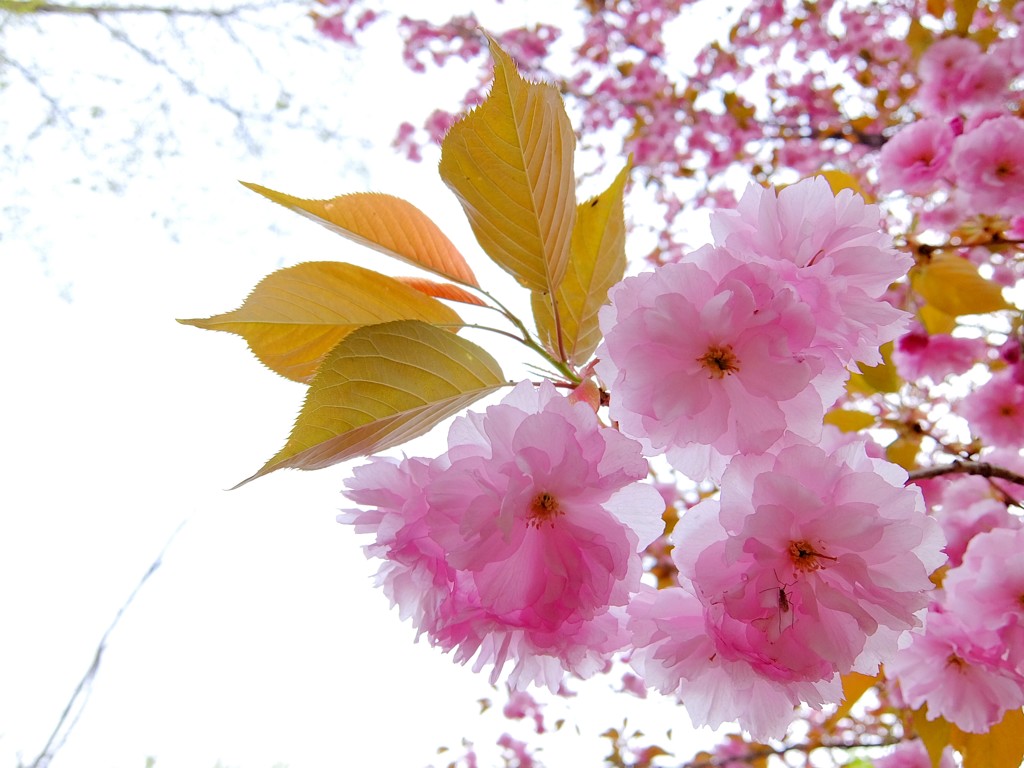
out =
column 81, row 693
column 28, row 6
column 960, row 467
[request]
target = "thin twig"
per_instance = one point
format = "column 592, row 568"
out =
column 81, row 693
column 961, row 467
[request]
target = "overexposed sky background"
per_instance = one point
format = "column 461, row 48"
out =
column 260, row 641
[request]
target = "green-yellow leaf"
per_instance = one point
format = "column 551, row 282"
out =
column 952, row 285
column 597, row 262
column 1001, row 747
column 510, row 163
column 295, row 316
column 381, row 386
column 387, row 224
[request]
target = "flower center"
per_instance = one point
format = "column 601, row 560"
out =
column 543, row 509
column 719, row 361
column 805, row 557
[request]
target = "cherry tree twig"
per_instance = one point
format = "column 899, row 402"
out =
column 961, row 467
column 80, row 696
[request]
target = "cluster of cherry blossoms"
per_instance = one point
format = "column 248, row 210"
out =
column 522, row 543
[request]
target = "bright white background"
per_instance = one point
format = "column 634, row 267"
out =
column 260, row 640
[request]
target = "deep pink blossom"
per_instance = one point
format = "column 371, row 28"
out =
column 413, row 573
column 523, row 538
column 987, row 591
column 707, row 358
column 811, row 563
column 995, row 411
column 957, row 77
column 989, row 165
column 915, row 159
column 936, row 356
column 961, row 523
column 832, row 250
column 676, row 654
column 966, row 683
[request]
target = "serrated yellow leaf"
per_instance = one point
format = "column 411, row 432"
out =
column 597, row 262
column 387, row 224
column 952, row 285
column 442, row 290
column 849, row 421
column 381, row 386
column 295, row 316
column 1001, row 747
column 510, row 163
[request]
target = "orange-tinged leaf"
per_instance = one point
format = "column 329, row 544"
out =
column 1001, row 747
column 381, row 386
column 387, row 224
column 855, row 685
column 442, row 290
column 295, row 316
column 510, row 163
column 952, row 285
column 597, row 262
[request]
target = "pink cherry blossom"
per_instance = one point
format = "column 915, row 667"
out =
column 523, row 538
column 966, row 683
column 811, row 563
column 704, row 360
column 957, row 77
column 995, row 410
column 832, row 250
column 961, row 523
column 989, row 165
column 987, row 591
column 413, row 573
column 913, row 754
column 676, row 654
column 915, row 159
column 918, row 354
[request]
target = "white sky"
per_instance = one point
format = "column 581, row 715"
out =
column 261, row 639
